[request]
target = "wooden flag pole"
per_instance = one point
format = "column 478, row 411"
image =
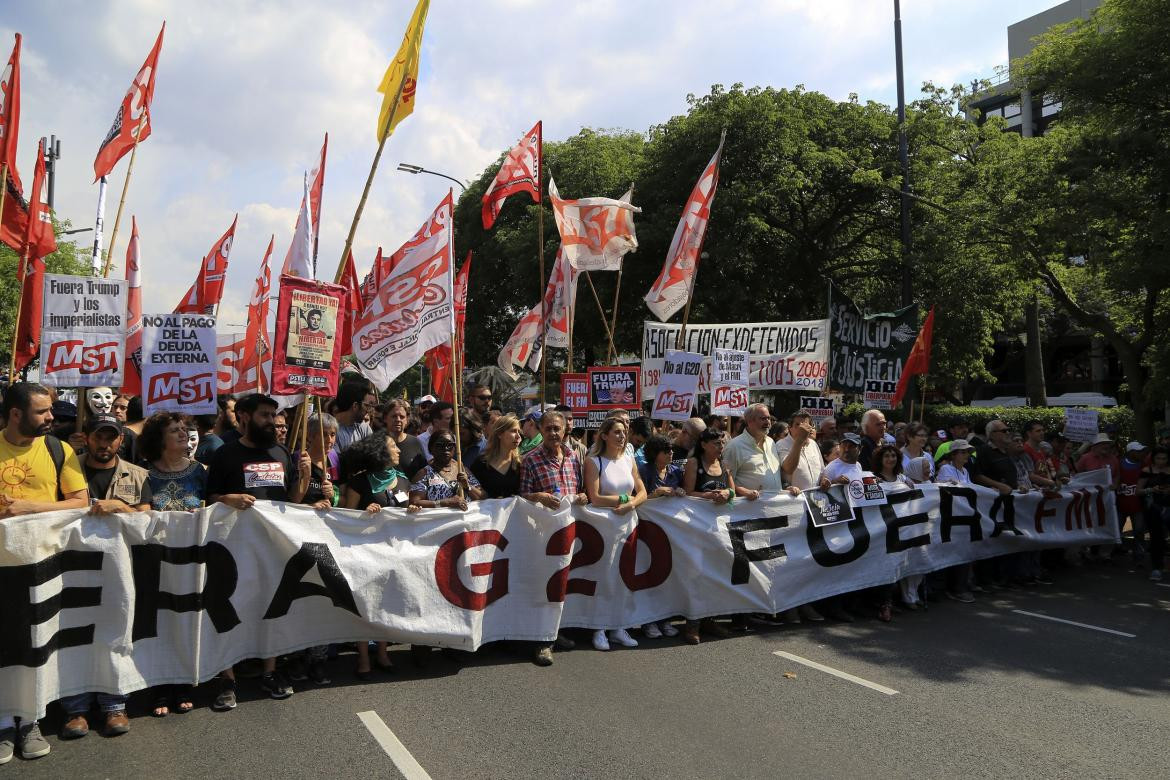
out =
column 597, row 298
column 357, row 215
column 540, row 256
column 569, row 327
column 455, row 416
column 16, row 324
column 922, row 405
column 617, row 291
column 3, row 186
column 122, row 200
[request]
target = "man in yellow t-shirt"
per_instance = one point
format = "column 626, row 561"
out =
column 29, row 483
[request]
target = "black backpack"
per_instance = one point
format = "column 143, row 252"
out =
column 57, row 453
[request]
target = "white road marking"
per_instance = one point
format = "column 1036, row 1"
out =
column 837, row 673
column 394, row 748
column 1074, row 623
column 1163, row 584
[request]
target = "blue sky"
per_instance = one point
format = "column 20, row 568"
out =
column 246, row 91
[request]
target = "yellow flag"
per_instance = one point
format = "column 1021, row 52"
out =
column 401, row 79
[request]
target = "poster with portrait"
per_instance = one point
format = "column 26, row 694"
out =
column 308, row 317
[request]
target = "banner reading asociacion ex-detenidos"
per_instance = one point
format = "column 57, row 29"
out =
column 117, row 603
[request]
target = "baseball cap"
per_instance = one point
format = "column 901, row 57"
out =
column 63, row 410
column 961, row 444
column 427, row 399
column 853, row 438
column 100, row 421
column 1134, row 446
column 534, row 413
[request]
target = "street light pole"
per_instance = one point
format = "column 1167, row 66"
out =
column 904, row 159
column 417, row 169
column 52, row 154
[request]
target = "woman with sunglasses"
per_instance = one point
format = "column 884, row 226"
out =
column 439, row 483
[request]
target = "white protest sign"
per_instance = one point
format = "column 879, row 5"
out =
column 879, row 394
column 818, row 408
column 784, row 355
column 729, row 382
column 83, row 331
column 865, row 491
column 1081, row 424
column 179, row 368
column 678, row 387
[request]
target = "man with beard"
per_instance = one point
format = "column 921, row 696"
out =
column 39, row 475
column 116, row 486
column 256, row 467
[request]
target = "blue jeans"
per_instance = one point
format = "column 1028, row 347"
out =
column 80, row 704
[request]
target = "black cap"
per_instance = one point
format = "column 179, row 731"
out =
column 63, row 410
column 97, row 422
column 852, row 438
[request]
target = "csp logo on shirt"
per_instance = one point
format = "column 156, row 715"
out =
column 264, row 474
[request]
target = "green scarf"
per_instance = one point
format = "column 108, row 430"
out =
column 382, row 480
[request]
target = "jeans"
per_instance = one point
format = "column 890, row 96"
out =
column 7, row 722
column 80, row 704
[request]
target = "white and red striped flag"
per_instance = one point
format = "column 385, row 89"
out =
column 302, row 252
column 520, row 172
column 132, row 381
column 203, row 296
column 596, row 233
column 413, row 309
column 256, row 344
column 559, row 298
column 523, row 346
column 673, row 286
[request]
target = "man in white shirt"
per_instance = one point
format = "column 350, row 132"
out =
column 846, row 468
column 800, row 455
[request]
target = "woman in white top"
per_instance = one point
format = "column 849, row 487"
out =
column 954, row 471
column 612, row 482
column 916, row 437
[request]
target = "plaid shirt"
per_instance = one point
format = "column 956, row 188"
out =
column 539, row 473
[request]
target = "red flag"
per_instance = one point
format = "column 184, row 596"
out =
column 134, row 111
column 355, row 304
column 438, row 362
column 293, row 262
column 39, row 242
column 256, row 346
column 203, row 296
column 132, row 383
column 919, row 360
column 520, row 172
column 378, row 271
column 14, row 221
column 459, row 293
column 673, row 286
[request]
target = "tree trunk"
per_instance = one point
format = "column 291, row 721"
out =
column 1135, row 377
column 1037, row 391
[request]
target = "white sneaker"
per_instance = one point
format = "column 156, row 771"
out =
column 651, row 631
column 599, row 641
column 667, row 628
column 623, row 638
column 1156, row 575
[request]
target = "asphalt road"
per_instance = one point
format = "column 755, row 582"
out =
column 981, row 691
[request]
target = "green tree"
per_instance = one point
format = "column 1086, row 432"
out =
column 68, row 259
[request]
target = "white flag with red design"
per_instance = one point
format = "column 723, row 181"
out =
column 300, row 255
column 520, row 172
column 596, row 233
column 672, row 287
column 523, row 346
column 413, row 309
column 132, row 380
column 559, row 298
column 256, row 344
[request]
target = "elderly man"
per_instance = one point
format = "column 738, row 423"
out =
column 873, row 435
column 800, row 455
column 685, row 440
column 828, row 429
column 753, row 464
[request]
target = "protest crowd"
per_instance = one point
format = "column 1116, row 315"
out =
column 174, row 416
column 366, row 455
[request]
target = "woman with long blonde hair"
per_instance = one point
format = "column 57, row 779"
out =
column 498, row 467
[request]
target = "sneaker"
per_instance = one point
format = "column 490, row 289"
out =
column 7, row 745
column 651, row 631
column 1156, row 575
column 32, row 744
column 667, row 628
column 961, row 596
column 599, row 641
column 808, row 613
column 226, row 698
column 275, row 686
column 543, row 656
column 297, row 669
column 76, row 727
column 563, row 643
column 622, row 637
column 116, row 723
column 791, row 616
column 317, row 674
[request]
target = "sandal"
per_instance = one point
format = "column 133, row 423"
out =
column 182, row 700
column 161, row 707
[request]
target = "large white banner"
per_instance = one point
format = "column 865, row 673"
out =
column 117, row 603
column 179, row 363
column 784, row 355
column 83, row 331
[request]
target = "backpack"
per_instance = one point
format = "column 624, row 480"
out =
column 57, row 453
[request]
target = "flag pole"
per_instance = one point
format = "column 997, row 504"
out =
column 540, row 256
column 3, row 187
column 572, row 312
column 597, row 298
column 19, row 307
column 455, row 417
column 617, row 291
column 357, row 215
column 122, row 200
